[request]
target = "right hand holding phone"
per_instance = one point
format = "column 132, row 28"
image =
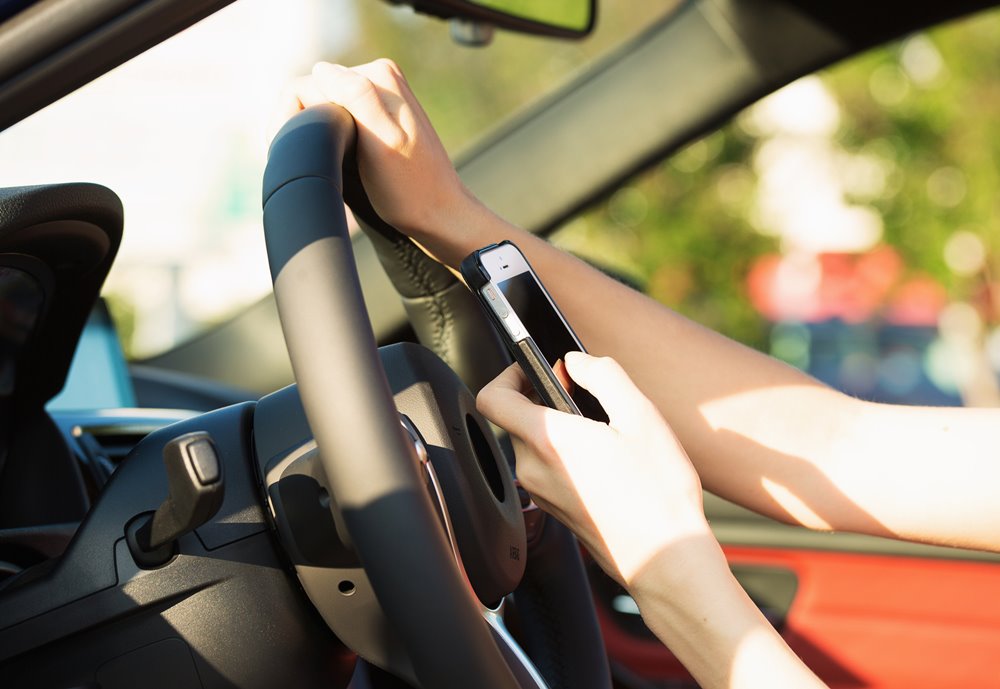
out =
column 626, row 488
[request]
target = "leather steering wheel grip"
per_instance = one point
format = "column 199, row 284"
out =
column 443, row 313
column 365, row 456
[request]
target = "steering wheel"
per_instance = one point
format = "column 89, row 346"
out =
column 441, row 594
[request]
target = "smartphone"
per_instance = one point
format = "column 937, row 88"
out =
column 528, row 321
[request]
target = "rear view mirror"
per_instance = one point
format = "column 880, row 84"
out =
column 574, row 16
column 561, row 18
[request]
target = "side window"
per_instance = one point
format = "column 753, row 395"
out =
column 846, row 224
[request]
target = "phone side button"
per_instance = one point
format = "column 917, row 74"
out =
column 499, row 307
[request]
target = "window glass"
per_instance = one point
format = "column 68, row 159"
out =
column 846, row 224
column 180, row 134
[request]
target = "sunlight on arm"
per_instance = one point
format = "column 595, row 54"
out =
column 794, row 505
column 692, row 602
column 805, row 457
column 796, row 420
column 831, row 462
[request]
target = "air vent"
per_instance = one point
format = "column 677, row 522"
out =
column 101, row 450
column 115, row 444
column 103, row 441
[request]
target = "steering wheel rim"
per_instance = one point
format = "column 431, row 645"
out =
column 349, row 406
column 413, row 568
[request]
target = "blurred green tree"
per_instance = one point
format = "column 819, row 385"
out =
column 467, row 91
column 924, row 109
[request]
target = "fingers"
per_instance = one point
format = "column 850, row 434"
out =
column 373, row 92
column 368, row 92
column 395, row 93
column 383, row 73
column 628, row 409
column 563, row 376
column 507, row 402
column 346, row 87
column 504, row 401
column 307, row 92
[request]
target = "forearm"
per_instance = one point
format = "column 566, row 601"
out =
column 773, row 439
column 924, row 474
column 642, row 519
column 690, row 600
column 742, row 416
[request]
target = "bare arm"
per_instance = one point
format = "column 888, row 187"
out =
column 759, row 432
column 766, row 435
column 603, row 480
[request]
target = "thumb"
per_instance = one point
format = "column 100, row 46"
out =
column 627, row 407
column 504, row 401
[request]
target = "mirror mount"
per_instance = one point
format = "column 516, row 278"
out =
column 470, row 33
column 565, row 19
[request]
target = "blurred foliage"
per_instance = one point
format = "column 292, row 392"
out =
column 938, row 133
column 467, row 91
column 681, row 230
column 924, row 108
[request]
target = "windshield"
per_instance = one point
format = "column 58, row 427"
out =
column 845, row 224
column 180, row 134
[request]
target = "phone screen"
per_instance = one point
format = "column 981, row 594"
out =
column 546, row 327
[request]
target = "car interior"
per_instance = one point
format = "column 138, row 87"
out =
column 305, row 494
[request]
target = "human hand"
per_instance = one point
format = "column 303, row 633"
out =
column 626, row 488
column 404, row 168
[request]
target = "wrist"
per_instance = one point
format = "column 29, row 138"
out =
column 689, row 562
column 457, row 225
column 695, row 606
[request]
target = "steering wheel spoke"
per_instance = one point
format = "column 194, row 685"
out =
column 525, row 672
column 517, row 659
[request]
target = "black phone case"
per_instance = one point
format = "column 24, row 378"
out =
column 542, row 377
column 525, row 352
